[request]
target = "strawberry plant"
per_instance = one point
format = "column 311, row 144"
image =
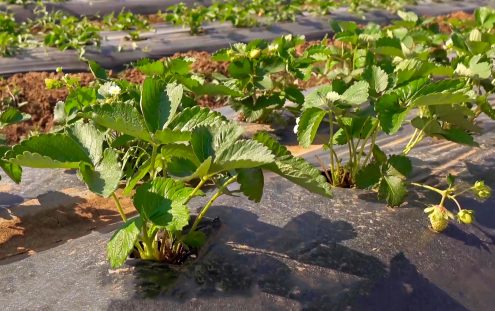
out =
column 127, row 21
column 403, row 73
column 179, row 70
column 265, row 75
column 439, row 215
column 12, row 35
column 179, row 151
column 193, row 17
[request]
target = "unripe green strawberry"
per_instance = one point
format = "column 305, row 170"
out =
column 255, row 53
column 466, row 216
column 439, row 224
column 439, row 218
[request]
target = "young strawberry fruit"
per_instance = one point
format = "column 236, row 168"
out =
column 254, row 53
column 466, row 216
column 439, row 217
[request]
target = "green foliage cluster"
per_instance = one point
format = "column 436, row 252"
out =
column 163, row 149
column 383, row 78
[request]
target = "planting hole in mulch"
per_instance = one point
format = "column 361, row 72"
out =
column 344, row 179
column 182, row 254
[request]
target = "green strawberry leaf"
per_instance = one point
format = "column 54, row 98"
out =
column 356, row 94
column 121, row 117
column 368, row 176
column 241, row 154
column 155, row 104
column 317, row 98
column 202, row 142
column 90, row 139
column 122, row 242
column 105, row 177
column 161, row 201
column 49, row 151
column 12, row 115
column 390, row 113
column 252, row 182
column 12, row 170
column 400, row 164
column 97, row 71
column 308, row 125
column 392, row 188
column 297, row 170
column 190, row 118
column 377, row 78
column 168, row 136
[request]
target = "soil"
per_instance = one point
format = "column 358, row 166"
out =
column 30, row 88
column 29, row 234
column 442, row 20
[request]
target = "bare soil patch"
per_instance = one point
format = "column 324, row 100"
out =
column 64, row 216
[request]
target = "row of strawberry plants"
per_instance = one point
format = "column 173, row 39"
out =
column 63, row 31
column 60, row 30
column 156, row 141
column 260, row 12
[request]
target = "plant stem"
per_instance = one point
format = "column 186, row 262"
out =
column 323, row 168
column 406, row 148
column 429, row 188
column 139, row 248
column 198, row 187
column 119, row 207
column 417, row 136
column 372, row 146
column 456, row 202
column 444, row 196
column 211, row 201
column 373, row 138
column 350, row 147
column 148, row 243
column 153, row 159
column 330, row 146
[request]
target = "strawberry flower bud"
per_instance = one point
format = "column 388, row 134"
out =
column 475, row 35
column 297, row 125
column 481, row 190
column 273, row 47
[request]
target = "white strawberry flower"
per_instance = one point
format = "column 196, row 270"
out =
column 109, row 89
column 272, row 47
column 114, row 90
column 333, row 96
